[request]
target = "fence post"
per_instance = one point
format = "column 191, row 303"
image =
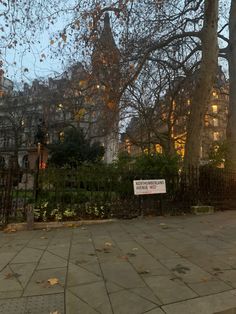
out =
column 7, row 203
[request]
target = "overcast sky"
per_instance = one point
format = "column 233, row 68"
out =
column 39, row 62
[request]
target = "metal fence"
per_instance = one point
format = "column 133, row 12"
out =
column 16, row 191
column 104, row 192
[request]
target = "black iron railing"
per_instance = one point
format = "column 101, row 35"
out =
column 104, row 192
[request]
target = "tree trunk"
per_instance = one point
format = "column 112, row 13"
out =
column 231, row 129
column 204, row 84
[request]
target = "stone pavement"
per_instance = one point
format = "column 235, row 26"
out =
column 172, row 265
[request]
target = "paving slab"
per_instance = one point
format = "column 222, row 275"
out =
column 169, row 289
column 171, row 265
column 39, row 283
column 125, row 301
column 94, row 294
column 78, row 275
column 204, row 305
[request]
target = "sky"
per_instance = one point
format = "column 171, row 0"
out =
column 22, row 65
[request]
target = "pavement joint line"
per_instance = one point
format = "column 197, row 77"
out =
column 194, row 298
column 137, row 230
column 24, row 246
column 146, row 285
column 19, row 263
column 89, row 271
column 67, row 268
column 35, row 269
column 155, row 259
column 108, row 295
column 17, row 279
column 224, row 281
column 64, row 259
column 84, row 301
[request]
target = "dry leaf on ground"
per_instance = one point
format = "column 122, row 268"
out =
column 124, row 257
column 108, row 244
column 143, row 272
column 53, row 281
column 12, row 275
column 131, row 254
column 9, row 230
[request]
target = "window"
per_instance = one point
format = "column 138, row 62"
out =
column 128, row 146
column 2, row 162
column 61, row 136
column 206, row 120
column 216, row 136
column 214, row 108
column 215, row 95
column 25, row 162
column 215, row 122
column 6, row 142
column 158, row 148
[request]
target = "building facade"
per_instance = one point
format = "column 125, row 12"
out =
column 169, row 121
column 77, row 98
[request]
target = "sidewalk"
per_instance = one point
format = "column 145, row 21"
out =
column 173, row 265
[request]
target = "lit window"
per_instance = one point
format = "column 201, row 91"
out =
column 215, row 122
column 214, row 108
column 206, row 120
column 216, row 136
column 215, row 95
column 189, row 102
column 61, row 136
column 128, row 146
column 180, row 149
column 158, row 148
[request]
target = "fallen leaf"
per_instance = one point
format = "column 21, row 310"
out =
column 124, row 257
column 53, row 281
column 143, row 272
column 108, row 244
column 106, row 250
column 135, row 249
column 43, row 238
column 131, row 254
column 98, row 250
column 55, row 312
column 9, row 230
column 12, row 275
column 165, row 227
column 71, row 225
column 205, row 279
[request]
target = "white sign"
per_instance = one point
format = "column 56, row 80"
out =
column 142, row 187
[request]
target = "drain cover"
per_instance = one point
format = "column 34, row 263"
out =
column 33, row 305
